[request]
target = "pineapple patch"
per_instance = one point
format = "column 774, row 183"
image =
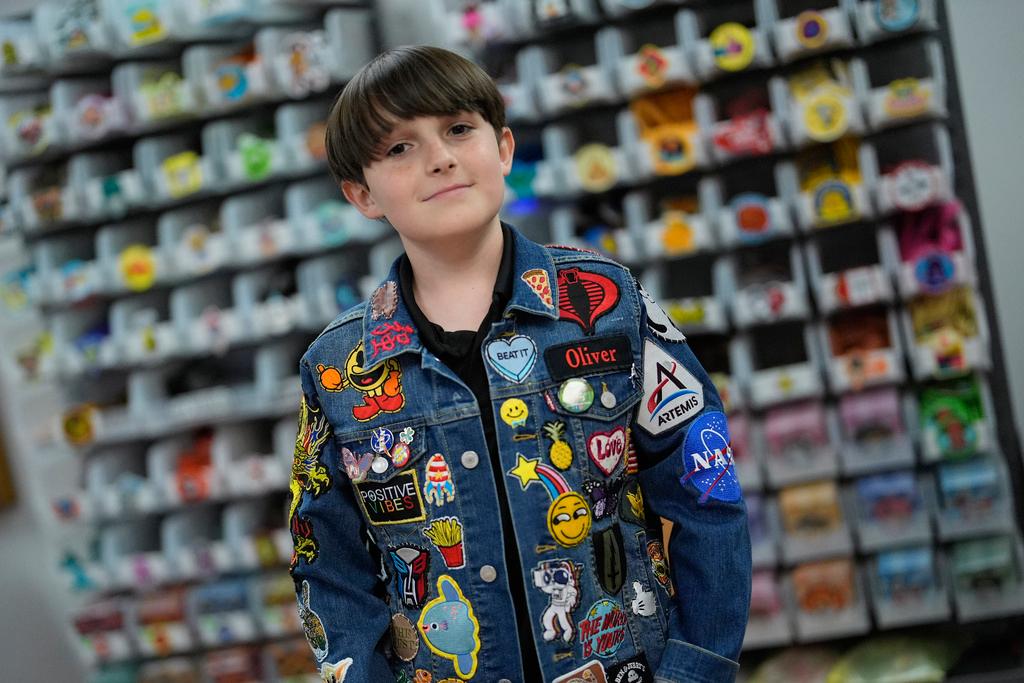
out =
column 560, row 453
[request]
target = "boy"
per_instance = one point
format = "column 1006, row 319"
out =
column 486, row 446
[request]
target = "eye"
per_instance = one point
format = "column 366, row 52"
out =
column 461, row 129
column 397, row 149
column 581, row 513
column 562, row 518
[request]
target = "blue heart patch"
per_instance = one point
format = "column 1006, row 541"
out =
column 512, row 357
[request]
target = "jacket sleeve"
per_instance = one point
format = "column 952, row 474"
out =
column 341, row 606
column 681, row 438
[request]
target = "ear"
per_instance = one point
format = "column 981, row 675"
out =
column 358, row 195
column 506, row 150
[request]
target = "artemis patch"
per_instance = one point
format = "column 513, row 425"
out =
column 672, row 395
column 395, row 501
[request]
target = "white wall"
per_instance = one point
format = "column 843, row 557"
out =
column 989, row 57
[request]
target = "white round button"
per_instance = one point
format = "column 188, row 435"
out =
column 488, row 573
column 470, row 459
column 379, row 465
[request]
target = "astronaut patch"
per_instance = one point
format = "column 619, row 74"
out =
column 672, row 395
column 707, row 459
column 560, row 581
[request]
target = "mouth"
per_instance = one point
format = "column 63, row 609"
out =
column 447, row 191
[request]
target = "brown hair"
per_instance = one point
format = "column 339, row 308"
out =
column 399, row 84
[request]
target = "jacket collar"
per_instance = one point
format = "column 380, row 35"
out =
column 388, row 327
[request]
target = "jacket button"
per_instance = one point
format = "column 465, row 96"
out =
column 470, row 459
column 504, row 680
column 488, row 573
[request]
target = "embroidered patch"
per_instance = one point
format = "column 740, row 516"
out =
column 335, row 673
column 404, row 640
column 569, row 517
column 514, row 412
column 707, row 459
column 392, row 502
column 599, row 354
column 411, row 566
column 304, row 544
column 560, row 453
column 632, row 507
column 312, row 627
column 644, row 603
column 384, row 301
column 560, row 581
column 330, row 377
column 446, row 535
column 610, row 559
column 450, row 627
column 603, row 630
column 658, row 322
column 308, row 475
column 439, row 488
column 631, row 460
column 659, row 565
column 389, row 336
column 381, row 440
column 381, row 385
column 607, row 448
column 603, row 496
column 671, row 394
column 583, row 297
column 537, row 279
column 512, row 357
column 633, row 670
column 591, row 672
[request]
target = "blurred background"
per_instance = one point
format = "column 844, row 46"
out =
column 824, row 195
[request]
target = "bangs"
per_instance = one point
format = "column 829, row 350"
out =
column 398, row 85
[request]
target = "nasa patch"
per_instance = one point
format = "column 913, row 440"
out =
column 707, row 458
column 672, row 395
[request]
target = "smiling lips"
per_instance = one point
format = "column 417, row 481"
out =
column 444, row 192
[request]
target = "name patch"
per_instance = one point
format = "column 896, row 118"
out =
column 589, row 356
column 392, row 502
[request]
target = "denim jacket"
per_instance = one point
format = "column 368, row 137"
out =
column 605, row 423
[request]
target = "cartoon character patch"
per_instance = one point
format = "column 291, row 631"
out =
column 583, row 297
column 411, row 565
column 439, row 488
column 450, row 628
column 381, row 384
column 707, row 459
column 335, row 673
column 514, row 412
column 307, row 472
column 559, row 580
column 312, row 627
column 569, row 518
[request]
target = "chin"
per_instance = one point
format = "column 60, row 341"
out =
column 450, row 222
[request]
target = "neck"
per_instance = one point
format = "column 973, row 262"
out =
column 454, row 278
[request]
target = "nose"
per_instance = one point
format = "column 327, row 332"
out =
column 441, row 158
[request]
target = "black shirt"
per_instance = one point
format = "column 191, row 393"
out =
column 461, row 352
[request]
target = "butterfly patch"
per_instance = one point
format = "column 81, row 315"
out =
column 356, row 467
column 604, row 496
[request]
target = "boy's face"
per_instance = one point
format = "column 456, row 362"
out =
column 440, row 176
